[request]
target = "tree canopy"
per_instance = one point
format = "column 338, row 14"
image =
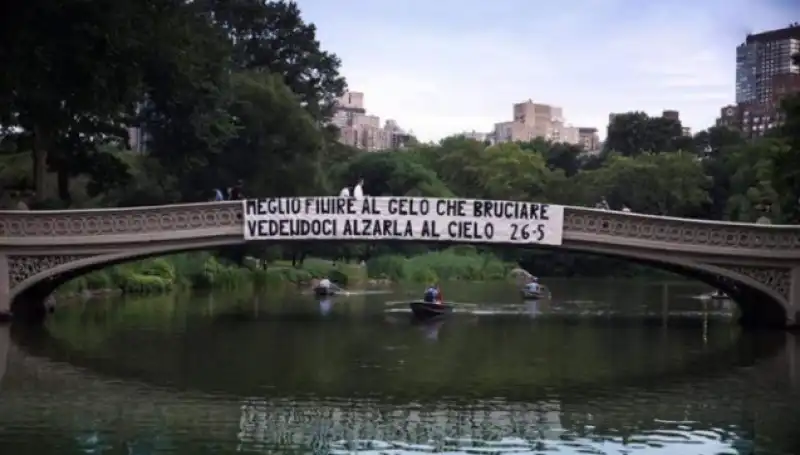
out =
column 242, row 91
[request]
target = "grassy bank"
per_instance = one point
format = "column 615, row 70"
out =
column 203, row 271
column 457, row 263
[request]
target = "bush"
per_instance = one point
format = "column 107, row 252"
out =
column 159, row 267
column 206, row 271
column 139, row 283
column 392, row 267
column 99, row 280
column 458, row 263
column 338, row 277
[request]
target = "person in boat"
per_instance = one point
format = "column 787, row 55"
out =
column 532, row 285
column 433, row 295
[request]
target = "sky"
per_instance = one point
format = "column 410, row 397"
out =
column 441, row 67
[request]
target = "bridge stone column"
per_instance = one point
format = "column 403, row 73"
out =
column 793, row 318
column 5, row 289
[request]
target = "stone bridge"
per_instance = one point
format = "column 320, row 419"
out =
column 758, row 265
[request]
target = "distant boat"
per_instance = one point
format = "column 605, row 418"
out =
column 719, row 295
column 524, row 281
column 534, row 293
column 426, row 310
column 716, row 295
column 325, row 292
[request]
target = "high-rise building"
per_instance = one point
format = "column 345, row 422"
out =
column 760, row 58
column 766, row 73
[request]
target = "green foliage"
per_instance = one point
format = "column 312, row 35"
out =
column 451, row 264
column 231, row 92
column 158, row 275
column 663, row 184
column 338, row 277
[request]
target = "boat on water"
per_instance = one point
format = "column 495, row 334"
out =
column 529, row 287
column 716, row 295
column 534, row 291
column 321, row 291
column 426, row 310
column 533, row 294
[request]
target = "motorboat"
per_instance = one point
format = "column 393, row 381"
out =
column 426, row 310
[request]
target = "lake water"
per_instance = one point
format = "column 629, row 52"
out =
column 606, row 367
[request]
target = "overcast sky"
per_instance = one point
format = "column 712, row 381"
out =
column 441, row 67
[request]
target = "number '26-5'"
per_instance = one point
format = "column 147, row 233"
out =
column 533, row 233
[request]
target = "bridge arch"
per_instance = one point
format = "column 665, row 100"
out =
column 758, row 265
column 33, row 290
column 758, row 303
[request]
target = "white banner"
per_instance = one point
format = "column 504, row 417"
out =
column 403, row 218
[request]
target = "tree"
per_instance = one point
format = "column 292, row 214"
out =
column 635, row 132
column 753, row 178
column 394, row 174
column 185, row 107
column 788, row 185
column 79, row 67
column 272, row 36
column 506, row 171
column 560, row 156
column 277, row 148
column 654, row 183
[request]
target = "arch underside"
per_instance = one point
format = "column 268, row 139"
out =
column 762, row 298
column 761, row 303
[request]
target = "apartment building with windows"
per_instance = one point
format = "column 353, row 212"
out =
column 361, row 130
column 535, row 120
column 753, row 120
column 766, row 73
column 588, row 139
column 762, row 57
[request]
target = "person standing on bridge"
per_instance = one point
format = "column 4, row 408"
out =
column 358, row 191
column 237, row 191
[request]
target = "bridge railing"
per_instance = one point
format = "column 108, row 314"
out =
column 579, row 223
column 684, row 231
column 115, row 221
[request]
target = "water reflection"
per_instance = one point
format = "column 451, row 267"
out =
column 273, row 374
column 494, row 427
column 325, row 306
column 532, row 308
column 431, row 328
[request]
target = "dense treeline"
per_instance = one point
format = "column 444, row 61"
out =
column 242, row 91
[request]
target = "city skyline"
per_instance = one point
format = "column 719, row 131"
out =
column 590, row 58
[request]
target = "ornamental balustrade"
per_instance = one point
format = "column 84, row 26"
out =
column 37, row 245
